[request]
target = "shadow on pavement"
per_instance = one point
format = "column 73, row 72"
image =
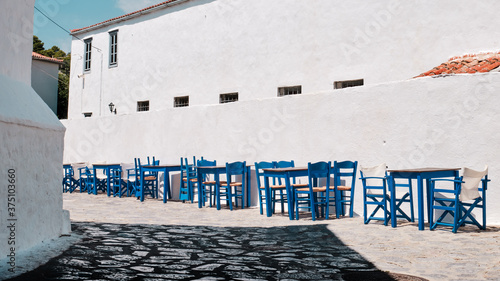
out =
column 164, row 252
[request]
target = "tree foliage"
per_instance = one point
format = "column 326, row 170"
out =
column 64, row 74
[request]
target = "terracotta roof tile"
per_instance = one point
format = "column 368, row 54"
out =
column 472, row 63
column 148, row 9
column 38, row 56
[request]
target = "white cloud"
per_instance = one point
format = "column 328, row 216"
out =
column 129, row 6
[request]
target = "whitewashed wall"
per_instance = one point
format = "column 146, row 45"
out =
column 31, row 147
column 203, row 48
column 44, row 77
column 426, row 122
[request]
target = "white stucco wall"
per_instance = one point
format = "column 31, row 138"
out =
column 31, row 149
column 44, row 81
column 426, row 122
column 203, row 48
column 16, row 26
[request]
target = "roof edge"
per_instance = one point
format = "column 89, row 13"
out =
column 141, row 12
column 37, row 56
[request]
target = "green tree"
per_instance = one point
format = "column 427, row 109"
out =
column 37, row 44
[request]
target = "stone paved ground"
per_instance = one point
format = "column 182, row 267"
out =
column 126, row 236
column 158, row 252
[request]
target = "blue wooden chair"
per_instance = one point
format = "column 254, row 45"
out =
column 71, row 181
column 274, row 187
column 150, row 181
column 374, row 180
column 128, row 179
column 189, row 180
column 232, row 187
column 207, row 186
column 376, row 192
column 459, row 199
column 344, row 174
column 315, row 195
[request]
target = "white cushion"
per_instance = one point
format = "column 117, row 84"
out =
column 470, row 186
column 376, row 171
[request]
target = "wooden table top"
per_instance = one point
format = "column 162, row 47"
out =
column 289, row 169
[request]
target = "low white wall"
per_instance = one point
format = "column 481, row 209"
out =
column 427, row 122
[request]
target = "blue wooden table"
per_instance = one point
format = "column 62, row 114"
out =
column 217, row 171
column 418, row 174
column 286, row 174
column 166, row 169
column 108, row 170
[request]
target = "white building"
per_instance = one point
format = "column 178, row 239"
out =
column 44, row 78
column 153, row 58
column 31, row 148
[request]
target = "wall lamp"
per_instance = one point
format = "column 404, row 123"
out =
column 112, row 108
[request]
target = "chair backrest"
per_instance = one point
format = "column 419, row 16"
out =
column 345, row 171
column 319, row 174
column 284, row 164
column 234, row 169
column 371, row 185
column 470, row 187
column 206, row 163
column 258, row 170
column 126, row 167
column 77, row 169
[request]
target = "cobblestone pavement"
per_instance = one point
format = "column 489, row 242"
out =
column 158, row 252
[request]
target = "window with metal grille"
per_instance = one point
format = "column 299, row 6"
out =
column 287, row 91
column 88, row 54
column 347, row 84
column 230, row 97
column 113, row 48
column 143, row 106
column 181, row 101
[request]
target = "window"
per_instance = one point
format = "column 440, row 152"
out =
column 347, row 84
column 286, row 91
column 113, row 48
column 143, row 106
column 181, row 101
column 87, row 114
column 231, row 97
column 88, row 54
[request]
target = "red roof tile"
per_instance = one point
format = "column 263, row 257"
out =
column 148, row 9
column 38, row 56
column 473, row 63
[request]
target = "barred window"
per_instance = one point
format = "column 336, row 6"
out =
column 287, row 91
column 347, row 83
column 143, row 106
column 181, row 101
column 230, row 97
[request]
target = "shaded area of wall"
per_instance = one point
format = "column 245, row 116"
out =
column 44, row 80
column 441, row 122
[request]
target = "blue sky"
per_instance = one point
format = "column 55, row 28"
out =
column 72, row 14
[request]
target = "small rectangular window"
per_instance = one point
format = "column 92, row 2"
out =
column 88, row 54
column 287, row 91
column 230, row 97
column 181, row 101
column 113, row 48
column 347, row 83
column 143, row 106
column 87, row 114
